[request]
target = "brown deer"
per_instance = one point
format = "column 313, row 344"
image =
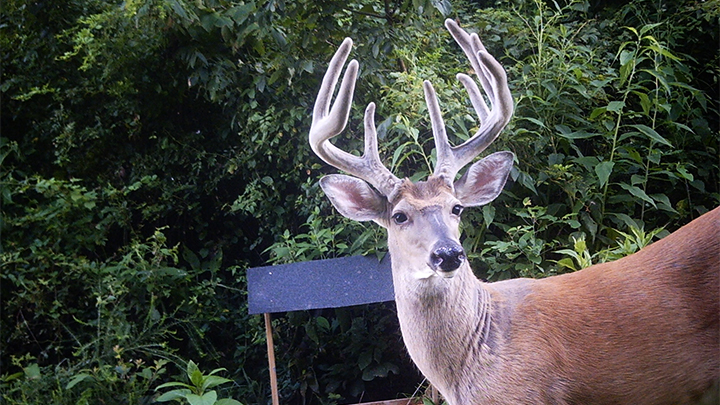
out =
column 640, row 330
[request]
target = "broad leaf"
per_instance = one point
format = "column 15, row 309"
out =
column 652, row 134
column 616, row 106
column 603, row 171
column 208, row 399
column 213, row 381
column 77, row 379
column 639, row 193
column 173, row 395
column 228, row 401
column 173, row 384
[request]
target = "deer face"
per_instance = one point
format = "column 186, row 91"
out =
column 423, row 229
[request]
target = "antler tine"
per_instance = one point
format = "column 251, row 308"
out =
column 445, row 157
column 493, row 80
column 330, row 121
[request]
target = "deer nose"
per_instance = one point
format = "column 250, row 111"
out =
column 447, row 257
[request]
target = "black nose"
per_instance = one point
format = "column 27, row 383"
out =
column 447, row 257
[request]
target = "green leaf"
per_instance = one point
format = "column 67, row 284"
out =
column 11, row 377
column 323, row 322
column 443, row 6
column 567, row 262
column 645, row 102
column 603, row 171
column 615, row 106
column 488, row 212
column 639, row 193
column 194, row 374
column 652, row 134
column 397, row 154
column 660, row 77
column 527, row 181
column 379, row 370
column 173, row 384
column 242, row 12
column 190, row 257
column 647, row 27
column 307, row 65
column 634, row 154
column 208, row 399
column 685, row 173
column 173, row 395
column 217, row 370
column 597, row 112
column 179, row 9
column 32, row 371
column 663, row 202
column 228, row 401
column 76, row 380
column 213, row 381
column 567, row 133
column 311, row 332
column 364, row 360
column 534, row 121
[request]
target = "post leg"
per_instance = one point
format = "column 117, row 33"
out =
column 271, row 360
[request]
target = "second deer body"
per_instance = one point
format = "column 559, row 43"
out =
column 641, row 330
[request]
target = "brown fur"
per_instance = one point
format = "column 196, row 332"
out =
column 424, row 193
column 640, row 330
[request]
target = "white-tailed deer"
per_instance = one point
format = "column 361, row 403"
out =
column 641, row 330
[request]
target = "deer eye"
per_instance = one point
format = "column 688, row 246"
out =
column 457, row 209
column 399, row 218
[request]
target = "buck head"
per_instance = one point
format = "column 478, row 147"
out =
column 422, row 218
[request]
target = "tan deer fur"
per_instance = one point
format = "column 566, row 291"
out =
column 640, row 330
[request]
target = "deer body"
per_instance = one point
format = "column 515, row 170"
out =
column 641, row 330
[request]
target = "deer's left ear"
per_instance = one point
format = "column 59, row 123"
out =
column 484, row 180
column 353, row 198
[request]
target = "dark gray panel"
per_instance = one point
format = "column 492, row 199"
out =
column 328, row 283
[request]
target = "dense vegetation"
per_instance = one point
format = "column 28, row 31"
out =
column 154, row 150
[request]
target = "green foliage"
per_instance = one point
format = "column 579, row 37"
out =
column 198, row 391
column 153, row 150
column 603, row 129
column 335, row 355
column 123, row 383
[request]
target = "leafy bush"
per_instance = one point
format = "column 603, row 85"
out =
column 154, row 150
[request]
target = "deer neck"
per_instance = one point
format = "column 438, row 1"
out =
column 445, row 324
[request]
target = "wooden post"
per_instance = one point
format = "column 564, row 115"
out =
column 271, row 360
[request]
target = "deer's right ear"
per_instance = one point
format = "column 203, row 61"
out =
column 353, row 198
column 484, row 180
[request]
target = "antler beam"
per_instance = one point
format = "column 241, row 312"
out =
column 329, row 121
column 494, row 82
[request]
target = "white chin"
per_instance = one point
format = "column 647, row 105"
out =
column 448, row 274
column 428, row 273
column 425, row 273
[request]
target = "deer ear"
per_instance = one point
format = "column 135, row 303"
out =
column 353, row 198
column 484, row 180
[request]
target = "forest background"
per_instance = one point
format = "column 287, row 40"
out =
column 154, row 150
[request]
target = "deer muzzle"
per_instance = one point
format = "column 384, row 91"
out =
column 446, row 257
